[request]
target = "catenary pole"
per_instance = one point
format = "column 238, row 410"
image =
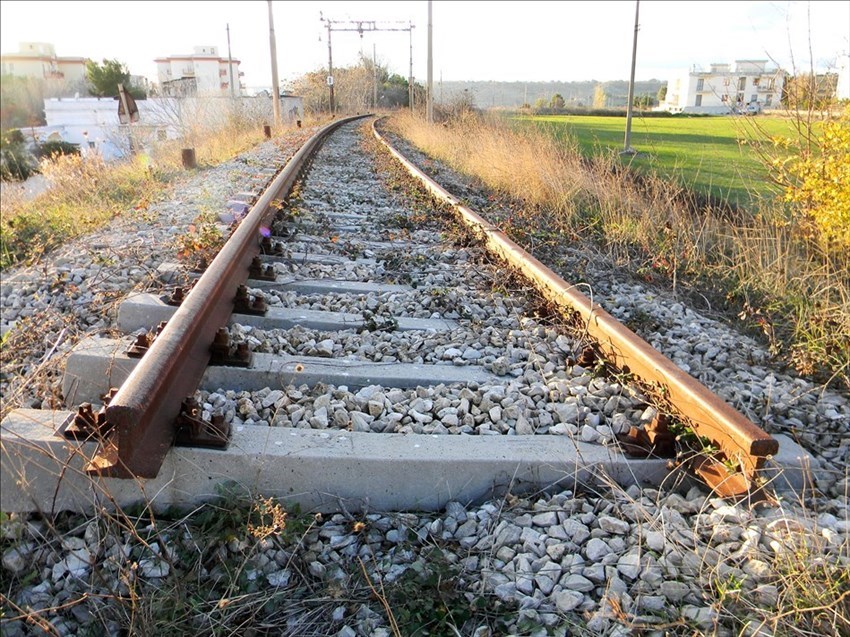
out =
column 429, row 104
column 230, row 63
column 275, row 86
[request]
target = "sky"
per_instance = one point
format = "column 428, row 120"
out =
column 472, row 40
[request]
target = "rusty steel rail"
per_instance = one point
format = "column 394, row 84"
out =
column 740, row 440
column 143, row 412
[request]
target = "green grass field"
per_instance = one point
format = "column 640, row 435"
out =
column 702, row 153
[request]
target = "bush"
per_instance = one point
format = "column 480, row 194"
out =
column 52, row 148
column 816, row 181
column 16, row 163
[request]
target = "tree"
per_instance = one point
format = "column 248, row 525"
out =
column 809, row 90
column 16, row 164
column 557, row 101
column 644, row 101
column 816, row 182
column 662, row 94
column 105, row 78
column 21, row 102
column 600, row 99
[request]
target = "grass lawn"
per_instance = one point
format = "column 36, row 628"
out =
column 702, row 153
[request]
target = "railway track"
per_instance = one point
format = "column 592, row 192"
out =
column 335, row 333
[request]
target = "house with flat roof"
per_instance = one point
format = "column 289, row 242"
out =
column 725, row 88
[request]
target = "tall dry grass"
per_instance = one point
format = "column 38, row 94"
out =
column 761, row 266
column 87, row 192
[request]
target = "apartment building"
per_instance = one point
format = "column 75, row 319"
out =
column 38, row 60
column 725, row 88
column 202, row 73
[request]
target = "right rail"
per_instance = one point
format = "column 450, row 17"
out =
column 740, row 440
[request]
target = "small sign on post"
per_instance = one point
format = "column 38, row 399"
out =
column 126, row 104
column 128, row 112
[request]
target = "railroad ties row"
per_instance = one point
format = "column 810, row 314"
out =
column 389, row 366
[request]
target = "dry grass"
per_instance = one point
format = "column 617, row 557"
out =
column 85, row 193
column 762, row 267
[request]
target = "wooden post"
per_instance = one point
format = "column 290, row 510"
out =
column 123, row 97
column 189, row 158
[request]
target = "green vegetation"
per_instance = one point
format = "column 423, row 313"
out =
column 105, row 78
column 15, row 162
column 703, row 154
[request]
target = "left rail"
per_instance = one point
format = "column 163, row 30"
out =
column 141, row 415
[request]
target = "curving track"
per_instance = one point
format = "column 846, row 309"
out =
column 392, row 336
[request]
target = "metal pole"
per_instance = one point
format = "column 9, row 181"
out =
column 429, row 104
column 627, row 145
column 375, row 77
column 330, row 72
column 230, row 62
column 275, row 87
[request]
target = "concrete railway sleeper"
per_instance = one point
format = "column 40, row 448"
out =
column 367, row 337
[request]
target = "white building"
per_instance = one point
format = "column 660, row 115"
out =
column 202, row 73
column 723, row 89
column 38, row 60
column 92, row 122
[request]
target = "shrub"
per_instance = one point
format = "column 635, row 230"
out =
column 816, row 181
column 52, row 148
column 16, row 163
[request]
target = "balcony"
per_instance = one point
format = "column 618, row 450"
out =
column 187, row 71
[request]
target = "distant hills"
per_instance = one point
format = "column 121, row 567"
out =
column 515, row 94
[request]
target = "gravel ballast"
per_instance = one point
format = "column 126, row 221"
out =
column 612, row 561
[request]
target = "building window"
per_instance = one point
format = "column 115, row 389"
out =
column 740, row 98
column 161, row 135
column 698, row 101
column 742, row 83
column 754, row 98
column 700, row 84
column 724, row 98
column 768, row 100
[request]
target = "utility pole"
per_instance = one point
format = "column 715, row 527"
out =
column 360, row 26
column 275, row 87
column 374, row 78
column 429, row 104
column 230, row 62
column 410, row 73
column 330, row 78
column 627, row 144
